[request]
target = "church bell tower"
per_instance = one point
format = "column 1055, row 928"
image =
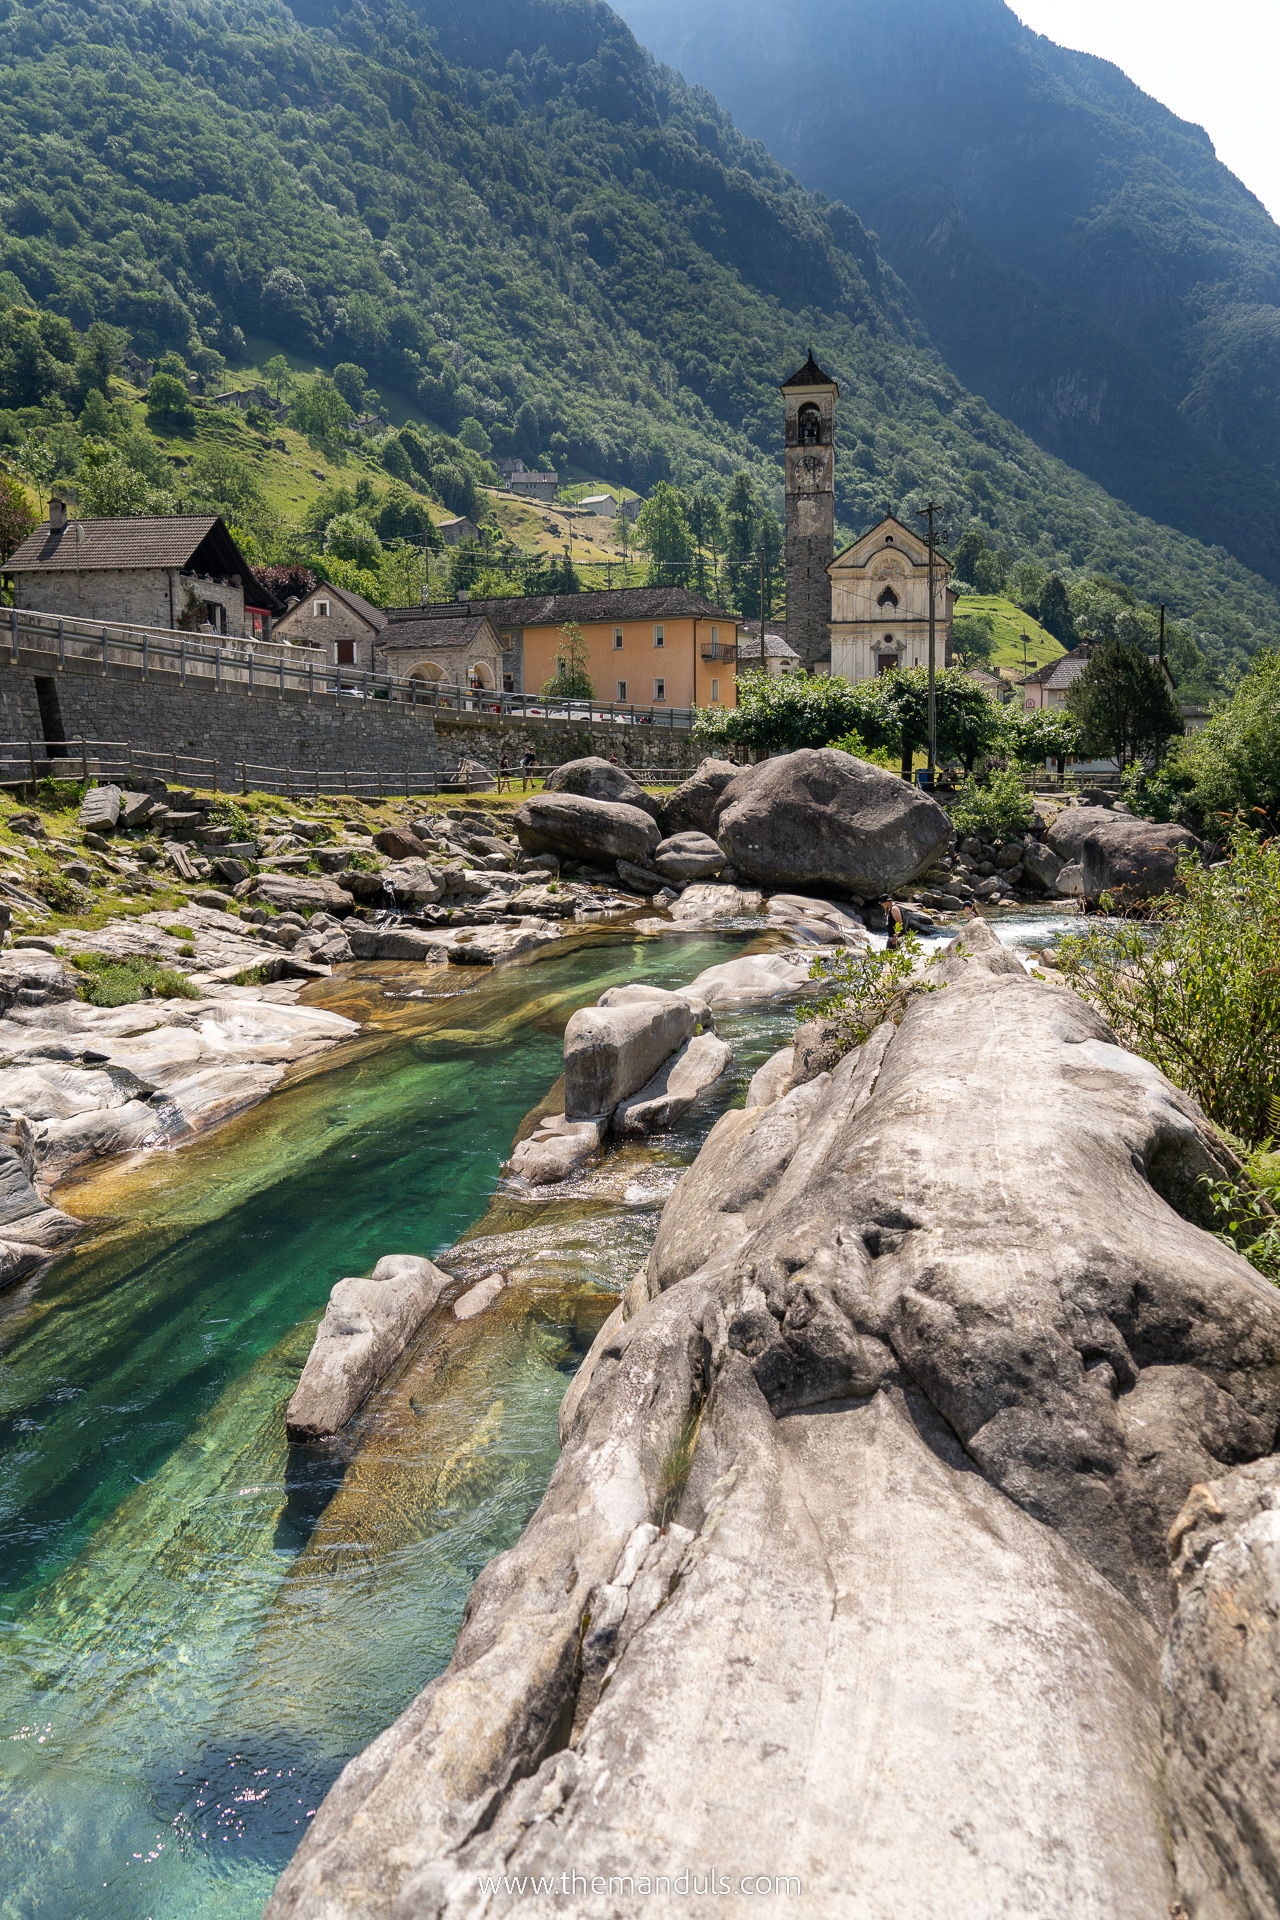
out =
column 810, row 397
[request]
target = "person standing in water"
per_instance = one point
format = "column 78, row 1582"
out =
column 893, row 923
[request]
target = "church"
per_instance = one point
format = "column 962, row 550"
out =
column 867, row 610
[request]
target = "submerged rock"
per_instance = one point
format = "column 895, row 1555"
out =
column 366, row 1327
column 823, row 818
column 853, row 1564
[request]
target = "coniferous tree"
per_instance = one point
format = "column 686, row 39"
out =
column 1123, row 705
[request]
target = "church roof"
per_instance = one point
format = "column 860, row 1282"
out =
column 810, row 375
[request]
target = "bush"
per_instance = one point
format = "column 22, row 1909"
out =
column 995, row 809
column 118, row 983
column 169, row 408
column 350, row 537
column 1234, row 763
column 868, row 987
column 1196, row 989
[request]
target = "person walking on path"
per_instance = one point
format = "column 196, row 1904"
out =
column 528, row 762
column 504, row 774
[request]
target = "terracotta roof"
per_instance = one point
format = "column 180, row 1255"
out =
column 810, row 375
column 407, row 627
column 555, row 609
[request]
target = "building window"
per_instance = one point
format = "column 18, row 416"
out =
column 888, row 539
column 715, row 693
column 886, row 663
column 320, row 608
column 659, row 689
column 810, row 424
column 659, row 636
column 622, row 689
column 508, row 683
column 344, row 653
column 617, row 639
column 888, row 598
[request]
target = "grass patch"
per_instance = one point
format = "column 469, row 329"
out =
column 1008, row 624
column 181, row 933
column 110, row 982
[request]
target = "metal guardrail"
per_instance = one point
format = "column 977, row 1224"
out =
column 271, row 666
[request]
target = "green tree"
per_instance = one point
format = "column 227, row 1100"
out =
column 706, row 525
column 1123, row 705
column 107, row 488
column 1234, row 762
column 277, row 376
column 779, row 713
column 893, row 715
column 349, row 536
column 169, row 408
column 472, row 434
column 17, row 516
column 662, row 531
column 1032, row 735
column 995, row 808
column 571, row 680
column 1054, row 611
column 973, row 638
column 321, row 413
column 352, row 382
column 217, row 481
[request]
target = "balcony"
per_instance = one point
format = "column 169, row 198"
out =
column 712, row 650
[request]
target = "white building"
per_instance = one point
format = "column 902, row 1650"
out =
column 880, row 604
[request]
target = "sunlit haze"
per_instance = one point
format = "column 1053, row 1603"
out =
column 1214, row 65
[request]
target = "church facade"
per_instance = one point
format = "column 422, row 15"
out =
column 879, row 590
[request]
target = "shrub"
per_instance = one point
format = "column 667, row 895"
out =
column 995, row 809
column 1235, row 762
column 1196, row 989
column 118, row 983
column 868, row 987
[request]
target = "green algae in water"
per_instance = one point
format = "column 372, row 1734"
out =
column 198, row 1624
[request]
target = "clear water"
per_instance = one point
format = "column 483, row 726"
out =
column 199, row 1625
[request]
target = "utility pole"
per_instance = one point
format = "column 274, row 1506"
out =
column 928, row 513
column 1163, row 667
column 1026, row 639
column 763, row 663
column 426, row 567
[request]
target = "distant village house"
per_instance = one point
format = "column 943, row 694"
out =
column 341, row 625
column 776, row 656
column 454, row 532
column 451, row 644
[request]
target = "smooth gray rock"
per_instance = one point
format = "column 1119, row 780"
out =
column 640, row 879
column 366, row 1327
column 1221, row 1689
column 1067, row 831
column 314, row 894
column 100, row 809
column 689, row 856
column 414, row 883
column 609, row 1052
column 637, row 991
column 1133, row 859
column 853, row 1563
column 1041, row 865
column 582, row 829
column 556, row 1148
column 30, row 977
column 769, row 1082
column 821, row 818
column 692, row 807
column 324, row 946
column 674, row 1088
column 708, row 900
column 756, row 979
column 595, row 778
column 477, row 1298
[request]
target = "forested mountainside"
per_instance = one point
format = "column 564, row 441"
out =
column 506, row 212
column 1079, row 254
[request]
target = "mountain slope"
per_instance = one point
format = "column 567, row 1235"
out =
column 511, row 215
column 1078, row 252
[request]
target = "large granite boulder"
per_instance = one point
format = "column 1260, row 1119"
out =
column 366, row 1326
column 1067, row 831
column 1221, row 1686
column 692, row 807
column 688, row 856
column 579, row 828
column 306, row 894
column 609, row 1052
column 676, row 1087
column 1132, row 859
column 853, row 1565
column 597, row 779
column 821, row 818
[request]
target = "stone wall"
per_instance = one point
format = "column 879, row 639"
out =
column 161, row 597
column 157, row 714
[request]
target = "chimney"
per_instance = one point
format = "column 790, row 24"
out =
column 57, row 515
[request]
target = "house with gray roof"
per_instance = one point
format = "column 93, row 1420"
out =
column 179, row 570
column 342, row 625
column 453, row 645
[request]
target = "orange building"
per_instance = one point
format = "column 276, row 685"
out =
column 646, row 646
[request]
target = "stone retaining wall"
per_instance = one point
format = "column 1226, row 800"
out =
column 156, row 713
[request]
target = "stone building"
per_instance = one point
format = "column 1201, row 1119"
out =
column 341, row 624
column 810, row 397
column 177, row 570
column 880, row 604
column 645, row 646
column 453, row 644
column 776, row 655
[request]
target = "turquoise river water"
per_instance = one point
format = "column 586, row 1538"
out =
column 199, row 1625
